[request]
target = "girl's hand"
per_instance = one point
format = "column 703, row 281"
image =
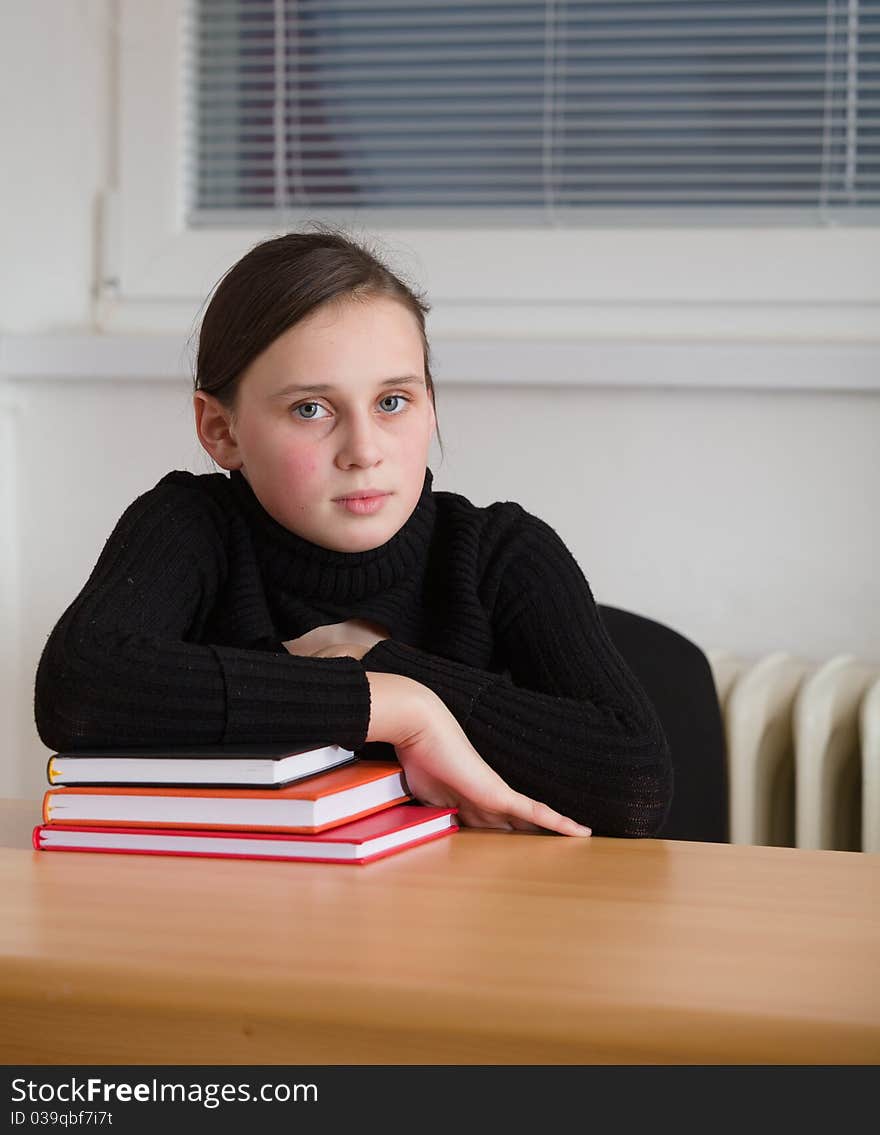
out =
column 360, row 632
column 343, row 650
column 443, row 768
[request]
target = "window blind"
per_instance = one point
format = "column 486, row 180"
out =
column 559, row 110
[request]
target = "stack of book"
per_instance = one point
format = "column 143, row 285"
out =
column 316, row 803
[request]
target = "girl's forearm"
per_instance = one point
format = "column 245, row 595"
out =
column 398, row 707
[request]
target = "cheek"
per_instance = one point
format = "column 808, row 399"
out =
column 300, row 471
column 415, row 441
column 297, row 478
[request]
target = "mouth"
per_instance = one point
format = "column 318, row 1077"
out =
column 366, row 495
column 363, row 505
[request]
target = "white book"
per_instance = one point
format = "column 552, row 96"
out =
column 225, row 766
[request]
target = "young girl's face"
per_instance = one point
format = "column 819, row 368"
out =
column 337, row 405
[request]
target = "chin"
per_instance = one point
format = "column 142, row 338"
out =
column 360, row 540
column 367, row 543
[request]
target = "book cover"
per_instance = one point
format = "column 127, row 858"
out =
column 361, row 841
column 322, row 801
column 229, row 766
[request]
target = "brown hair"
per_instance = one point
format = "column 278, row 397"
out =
column 277, row 284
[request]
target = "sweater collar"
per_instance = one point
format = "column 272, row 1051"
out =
column 296, row 565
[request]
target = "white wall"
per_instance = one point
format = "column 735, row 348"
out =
column 54, row 153
column 745, row 519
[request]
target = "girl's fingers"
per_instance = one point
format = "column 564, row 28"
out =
column 473, row 817
column 525, row 826
column 519, row 813
column 450, row 772
column 544, row 817
column 521, row 809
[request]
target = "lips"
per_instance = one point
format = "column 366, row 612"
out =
column 363, row 506
column 365, row 494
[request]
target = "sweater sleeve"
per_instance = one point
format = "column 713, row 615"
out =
column 570, row 726
column 124, row 664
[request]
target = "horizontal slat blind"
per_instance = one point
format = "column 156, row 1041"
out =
column 557, row 107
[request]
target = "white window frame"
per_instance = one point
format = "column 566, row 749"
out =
column 753, row 282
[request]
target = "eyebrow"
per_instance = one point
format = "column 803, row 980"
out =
column 328, row 388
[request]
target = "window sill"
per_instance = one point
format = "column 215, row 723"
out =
column 746, row 364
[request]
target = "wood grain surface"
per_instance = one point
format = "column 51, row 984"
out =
column 481, row 948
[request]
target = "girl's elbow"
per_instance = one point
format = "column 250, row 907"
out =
column 654, row 797
column 641, row 810
column 62, row 726
column 67, row 713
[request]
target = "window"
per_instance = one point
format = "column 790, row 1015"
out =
column 561, row 110
column 198, row 181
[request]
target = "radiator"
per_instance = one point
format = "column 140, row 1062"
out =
column 803, row 750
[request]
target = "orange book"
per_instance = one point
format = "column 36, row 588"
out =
column 312, row 805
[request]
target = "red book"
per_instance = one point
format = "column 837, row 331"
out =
column 312, row 805
column 361, row 841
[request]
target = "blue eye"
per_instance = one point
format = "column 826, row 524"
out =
column 315, row 406
column 305, row 405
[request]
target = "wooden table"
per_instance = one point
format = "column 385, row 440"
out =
column 481, row 948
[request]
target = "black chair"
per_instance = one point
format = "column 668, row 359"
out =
column 676, row 676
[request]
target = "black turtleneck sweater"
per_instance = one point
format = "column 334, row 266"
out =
column 176, row 638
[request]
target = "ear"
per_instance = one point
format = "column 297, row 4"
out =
column 214, row 425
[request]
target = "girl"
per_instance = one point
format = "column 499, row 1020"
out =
column 323, row 592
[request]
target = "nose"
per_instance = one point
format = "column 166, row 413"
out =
column 359, row 442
